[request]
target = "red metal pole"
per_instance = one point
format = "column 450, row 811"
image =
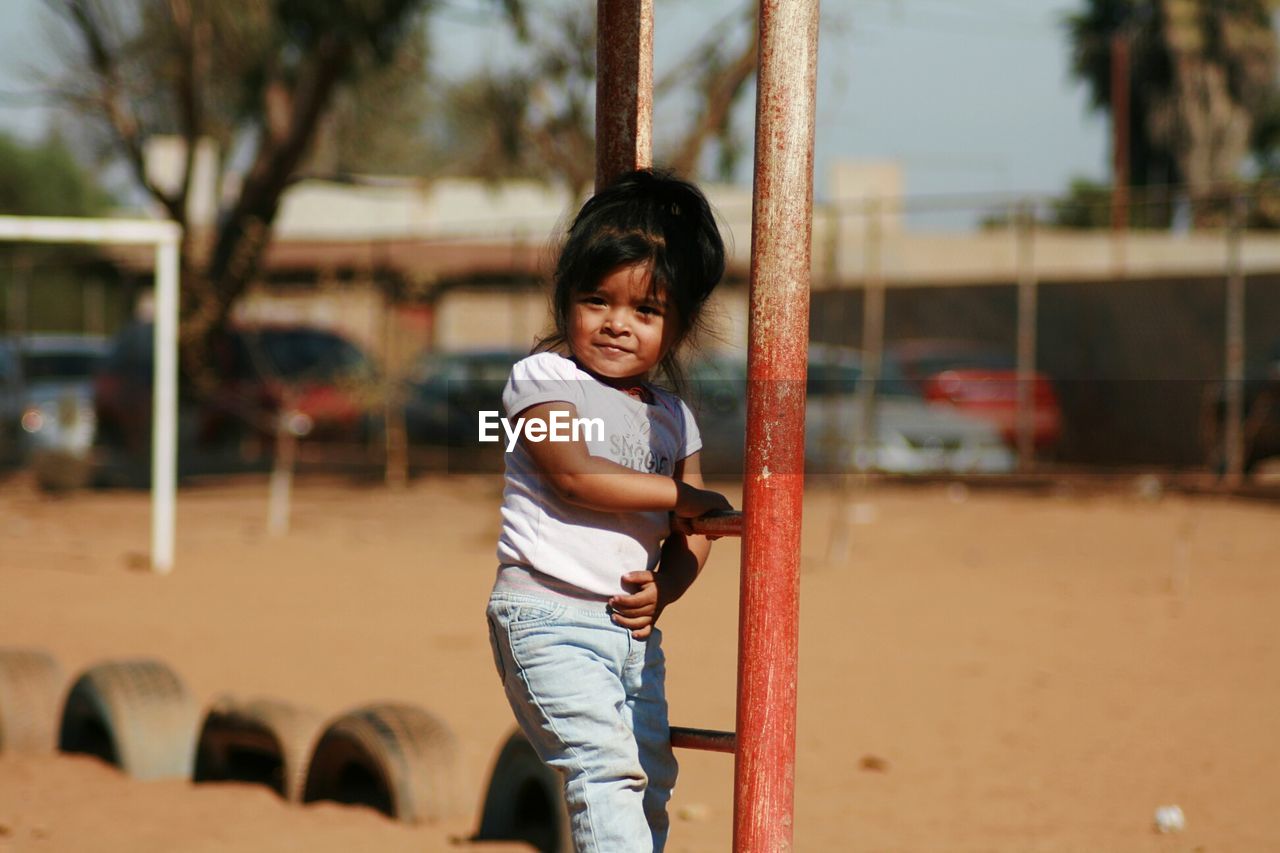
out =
column 624, row 87
column 782, row 220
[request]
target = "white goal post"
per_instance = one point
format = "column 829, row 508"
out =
column 165, row 236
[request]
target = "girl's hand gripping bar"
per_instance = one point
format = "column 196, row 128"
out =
column 724, row 522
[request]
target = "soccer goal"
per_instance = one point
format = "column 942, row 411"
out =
column 165, row 237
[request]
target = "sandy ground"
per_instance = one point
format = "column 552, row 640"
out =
column 979, row 671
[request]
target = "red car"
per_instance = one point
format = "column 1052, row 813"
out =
column 332, row 384
column 980, row 380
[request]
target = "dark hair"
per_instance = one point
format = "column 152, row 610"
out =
column 647, row 217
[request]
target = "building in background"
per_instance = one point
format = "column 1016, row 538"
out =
column 1130, row 326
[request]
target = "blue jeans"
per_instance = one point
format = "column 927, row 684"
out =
column 590, row 699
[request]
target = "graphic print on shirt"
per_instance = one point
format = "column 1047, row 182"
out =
column 631, row 446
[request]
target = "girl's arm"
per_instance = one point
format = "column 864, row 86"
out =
column 597, row 483
column 682, row 560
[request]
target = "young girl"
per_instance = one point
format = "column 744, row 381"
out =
column 588, row 560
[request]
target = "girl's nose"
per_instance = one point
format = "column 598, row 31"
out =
column 614, row 324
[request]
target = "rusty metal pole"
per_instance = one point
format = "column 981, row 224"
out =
column 624, row 87
column 781, row 230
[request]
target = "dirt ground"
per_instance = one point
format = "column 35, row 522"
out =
column 979, row 671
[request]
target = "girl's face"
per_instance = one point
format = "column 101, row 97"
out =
column 621, row 330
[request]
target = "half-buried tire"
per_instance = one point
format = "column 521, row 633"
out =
column 525, row 800
column 260, row 740
column 31, row 684
column 135, row 714
column 395, row 758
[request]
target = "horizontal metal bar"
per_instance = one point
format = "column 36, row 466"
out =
column 720, row 523
column 705, row 739
column 45, row 229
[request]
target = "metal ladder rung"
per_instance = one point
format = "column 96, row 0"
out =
column 727, row 522
column 706, row 739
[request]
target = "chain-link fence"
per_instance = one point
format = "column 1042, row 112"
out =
column 1148, row 347
column 1081, row 346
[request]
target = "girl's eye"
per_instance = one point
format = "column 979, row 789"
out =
column 592, row 300
column 651, row 310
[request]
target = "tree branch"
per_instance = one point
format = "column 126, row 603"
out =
column 247, row 229
column 187, row 89
column 720, row 90
column 120, row 118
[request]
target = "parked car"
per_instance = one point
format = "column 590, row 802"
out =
column 1260, row 427
column 911, row 435
column 980, row 380
column 445, row 391
column 716, row 391
column 56, row 423
column 329, row 384
column 56, row 374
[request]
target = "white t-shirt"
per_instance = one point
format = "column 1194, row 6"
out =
column 585, row 547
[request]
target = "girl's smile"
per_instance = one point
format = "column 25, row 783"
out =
column 620, row 331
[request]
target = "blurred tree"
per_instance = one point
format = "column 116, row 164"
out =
column 1264, row 210
column 1086, row 205
column 293, row 87
column 46, row 179
column 1202, row 73
column 533, row 121
column 535, row 117
column 722, row 68
column 42, row 286
column 260, row 79
column 377, row 123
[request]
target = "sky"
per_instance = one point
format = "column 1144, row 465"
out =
column 969, row 96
